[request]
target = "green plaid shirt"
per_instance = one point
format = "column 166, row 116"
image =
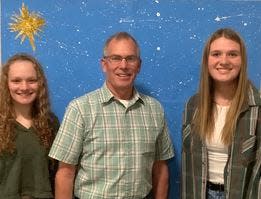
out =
column 114, row 146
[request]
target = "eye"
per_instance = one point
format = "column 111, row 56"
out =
column 32, row 81
column 115, row 58
column 215, row 54
column 233, row 54
column 131, row 58
column 15, row 80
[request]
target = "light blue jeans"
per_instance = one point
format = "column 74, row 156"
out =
column 211, row 194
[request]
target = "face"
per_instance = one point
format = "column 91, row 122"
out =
column 22, row 83
column 120, row 75
column 224, row 61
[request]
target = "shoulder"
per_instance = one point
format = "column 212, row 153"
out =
column 150, row 101
column 254, row 95
column 87, row 98
column 53, row 117
column 192, row 102
column 190, row 108
column 254, row 101
column 85, row 104
column 54, row 121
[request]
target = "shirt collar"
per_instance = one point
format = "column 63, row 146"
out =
column 107, row 96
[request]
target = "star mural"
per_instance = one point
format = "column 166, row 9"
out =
column 27, row 24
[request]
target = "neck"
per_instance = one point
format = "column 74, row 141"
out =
column 224, row 94
column 122, row 94
column 23, row 115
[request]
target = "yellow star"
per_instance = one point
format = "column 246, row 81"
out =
column 27, row 25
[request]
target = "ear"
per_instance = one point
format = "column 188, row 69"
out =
column 139, row 66
column 103, row 65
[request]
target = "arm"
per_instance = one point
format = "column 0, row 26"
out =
column 160, row 179
column 64, row 180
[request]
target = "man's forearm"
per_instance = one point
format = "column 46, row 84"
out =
column 160, row 180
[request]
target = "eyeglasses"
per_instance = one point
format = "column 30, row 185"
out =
column 116, row 59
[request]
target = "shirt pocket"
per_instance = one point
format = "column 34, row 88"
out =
column 248, row 151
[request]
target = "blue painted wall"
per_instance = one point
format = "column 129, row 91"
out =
column 171, row 35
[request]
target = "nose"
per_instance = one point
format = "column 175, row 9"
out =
column 224, row 59
column 24, row 85
column 124, row 63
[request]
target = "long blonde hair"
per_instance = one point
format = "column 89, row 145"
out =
column 41, row 114
column 203, row 121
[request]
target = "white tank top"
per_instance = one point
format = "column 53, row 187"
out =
column 217, row 151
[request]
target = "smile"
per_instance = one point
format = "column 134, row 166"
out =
column 123, row 75
column 25, row 94
column 224, row 69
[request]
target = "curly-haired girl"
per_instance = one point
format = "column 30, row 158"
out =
column 27, row 129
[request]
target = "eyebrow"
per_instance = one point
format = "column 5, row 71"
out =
column 236, row 51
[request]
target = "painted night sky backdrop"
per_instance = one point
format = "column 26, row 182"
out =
column 171, row 35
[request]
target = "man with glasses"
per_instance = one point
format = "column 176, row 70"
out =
column 114, row 142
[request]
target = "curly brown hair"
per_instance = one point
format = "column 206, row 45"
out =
column 41, row 111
